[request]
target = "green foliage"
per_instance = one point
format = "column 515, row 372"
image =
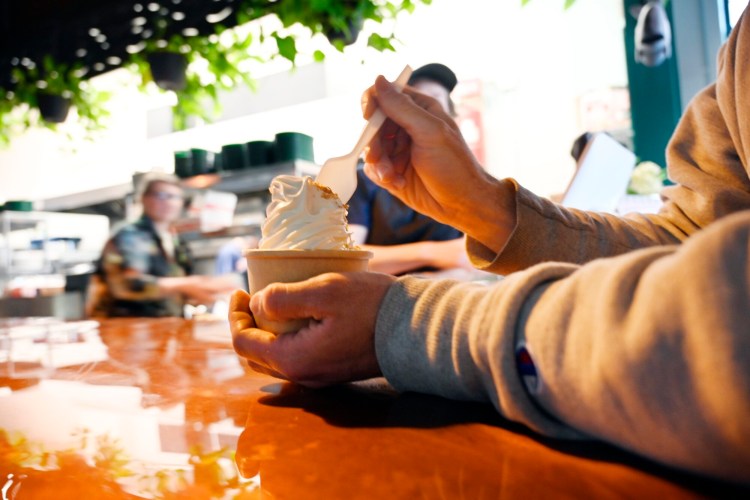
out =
column 19, row 110
column 380, row 43
column 287, row 47
column 338, row 20
column 223, row 62
column 224, row 55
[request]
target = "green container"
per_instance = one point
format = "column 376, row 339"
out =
column 19, row 205
column 203, row 161
column 183, row 164
column 234, row 157
column 292, row 146
column 260, row 153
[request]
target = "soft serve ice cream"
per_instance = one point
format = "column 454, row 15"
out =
column 304, row 215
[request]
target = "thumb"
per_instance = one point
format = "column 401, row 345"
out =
column 305, row 299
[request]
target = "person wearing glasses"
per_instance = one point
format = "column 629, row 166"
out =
column 145, row 270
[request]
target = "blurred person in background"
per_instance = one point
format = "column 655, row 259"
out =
column 401, row 239
column 144, row 269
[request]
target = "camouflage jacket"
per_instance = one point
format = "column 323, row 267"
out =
column 131, row 262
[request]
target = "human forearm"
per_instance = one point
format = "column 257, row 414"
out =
column 399, row 259
column 647, row 351
column 174, row 285
column 203, row 289
column 650, row 351
column 457, row 340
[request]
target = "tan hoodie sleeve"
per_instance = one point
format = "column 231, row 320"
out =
column 707, row 159
column 649, row 351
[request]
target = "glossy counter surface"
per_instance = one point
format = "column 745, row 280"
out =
column 172, row 412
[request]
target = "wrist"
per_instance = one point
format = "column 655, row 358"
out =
column 492, row 220
column 426, row 253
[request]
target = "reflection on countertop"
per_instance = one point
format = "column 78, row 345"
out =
column 159, row 413
column 172, row 412
column 365, row 441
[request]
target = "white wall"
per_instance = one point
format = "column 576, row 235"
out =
column 534, row 64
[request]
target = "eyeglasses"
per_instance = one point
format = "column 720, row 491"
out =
column 164, row 196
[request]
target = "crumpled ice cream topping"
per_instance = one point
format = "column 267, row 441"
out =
column 304, row 215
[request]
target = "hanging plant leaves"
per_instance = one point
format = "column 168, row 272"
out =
column 380, row 43
column 287, row 47
column 225, row 59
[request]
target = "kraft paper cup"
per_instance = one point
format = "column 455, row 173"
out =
column 288, row 266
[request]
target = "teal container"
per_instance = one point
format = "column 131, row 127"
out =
column 183, row 164
column 260, row 153
column 19, row 205
column 234, row 157
column 290, row 146
column 203, row 161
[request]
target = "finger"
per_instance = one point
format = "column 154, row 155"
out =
column 239, row 301
column 404, row 108
column 254, row 344
column 369, row 104
column 239, row 312
column 370, row 171
column 388, row 156
column 260, row 368
column 430, row 104
column 387, row 174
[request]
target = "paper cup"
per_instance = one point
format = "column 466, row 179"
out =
column 288, row 266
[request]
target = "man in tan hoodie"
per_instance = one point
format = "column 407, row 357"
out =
column 633, row 330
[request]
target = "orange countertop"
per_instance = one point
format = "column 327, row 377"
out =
column 174, row 413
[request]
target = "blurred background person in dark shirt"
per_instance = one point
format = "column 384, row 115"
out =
column 401, row 239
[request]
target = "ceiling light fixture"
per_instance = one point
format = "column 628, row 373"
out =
column 219, row 16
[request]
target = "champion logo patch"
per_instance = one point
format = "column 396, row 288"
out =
column 527, row 369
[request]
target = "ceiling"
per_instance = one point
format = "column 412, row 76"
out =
column 97, row 33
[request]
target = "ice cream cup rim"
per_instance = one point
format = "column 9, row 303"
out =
column 306, row 254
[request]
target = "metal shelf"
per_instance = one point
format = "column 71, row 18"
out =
column 19, row 231
column 250, row 180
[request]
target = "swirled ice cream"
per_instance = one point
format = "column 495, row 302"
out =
column 304, row 215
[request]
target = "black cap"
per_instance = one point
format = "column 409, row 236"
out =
column 435, row 72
